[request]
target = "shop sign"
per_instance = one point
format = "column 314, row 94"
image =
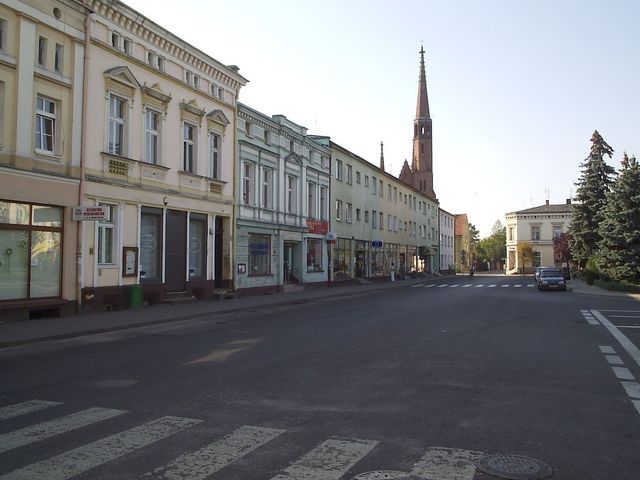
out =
column 318, row 227
column 93, row 213
column 376, row 243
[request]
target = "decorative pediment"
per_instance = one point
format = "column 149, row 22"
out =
column 191, row 111
column 293, row 157
column 121, row 80
column 155, row 92
column 218, row 117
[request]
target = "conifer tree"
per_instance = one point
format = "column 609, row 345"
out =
column 619, row 255
column 593, row 186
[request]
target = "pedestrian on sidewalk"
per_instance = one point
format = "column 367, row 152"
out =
column 392, row 270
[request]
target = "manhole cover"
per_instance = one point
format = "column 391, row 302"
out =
column 514, row 467
column 386, row 475
column 117, row 383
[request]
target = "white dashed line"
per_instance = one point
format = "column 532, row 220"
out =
column 614, row 360
column 454, row 286
column 623, row 373
column 621, row 337
column 478, row 286
column 429, row 286
column 632, row 389
column 443, row 285
column 417, row 285
column 606, row 349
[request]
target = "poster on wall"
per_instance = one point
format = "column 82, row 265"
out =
column 130, row 261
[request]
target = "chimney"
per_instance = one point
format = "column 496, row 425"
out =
column 547, row 201
column 568, row 201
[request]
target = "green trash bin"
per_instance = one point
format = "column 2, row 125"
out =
column 134, row 296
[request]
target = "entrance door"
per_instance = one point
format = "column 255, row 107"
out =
column 218, row 254
column 290, row 271
column 176, row 253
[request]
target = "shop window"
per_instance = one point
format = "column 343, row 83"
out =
column 151, row 245
column 259, row 254
column 106, row 237
column 197, row 246
column 314, row 255
column 30, row 251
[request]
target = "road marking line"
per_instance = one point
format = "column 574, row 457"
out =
column 481, row 285
column 328, row 461
column 447, row 464
column 505, row 286
column 585, row 311
column 623, row 373
column 430, row 285
column 636, row 403
column 530, row 286
column 466, row 286
column 454, row 286
column 417, row 285
column 492, row 286
column 621, row 337
column 58, row 426
column 517, row 285
column 81, row 459
column 628, row 311
column 628, row 326
column 606, row 349
column 22, row 408
column 632, row 389
column 206, row 461
column 614, row 360
column 443, row 285
column 624, row 316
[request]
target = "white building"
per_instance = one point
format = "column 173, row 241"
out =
column 447, row 241
column 283, row 207
column 535, row 226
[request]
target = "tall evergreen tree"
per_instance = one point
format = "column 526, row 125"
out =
column 619, row 255
column 593, row 186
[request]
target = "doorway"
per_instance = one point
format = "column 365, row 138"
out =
column 291, row 263
column 176, row 253
column 218, row 253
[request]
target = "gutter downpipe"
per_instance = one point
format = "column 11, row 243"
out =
column 83, row 153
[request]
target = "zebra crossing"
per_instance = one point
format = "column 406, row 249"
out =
column 473, row 285
column 331, row 459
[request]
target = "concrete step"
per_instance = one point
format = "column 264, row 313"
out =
column 178, row 298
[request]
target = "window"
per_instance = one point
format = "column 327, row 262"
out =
column 339, row 170
column 312, row 193
column 374, row 219
column 267, row 188
column 45, row 125
column 381, row 190
column 349, row 174
column 374, row 186
column 248, row 176
column 3, row 34
column 259, row 254
column 366, row 216
column 58, row 61
column 292, row 194
column 536, row 260
column 151, row 244
column 126, row 45
column 314, row 255
column 324, row 202
column 395, row 195
column 42, row 51
column 557, row 231
column 106, row 237
column 348, row 213
column 366, row 181
column 188, row 147
column 389, row 192
column 115, row 40
column 151, row 136
column 214, row 155
column 381, row 221
column 338, row 210
column 389, row 222
column 357, row 177
column 535, row 232
column 116, row 125
column 510, row 234
column 197, row 246
column 358, row 217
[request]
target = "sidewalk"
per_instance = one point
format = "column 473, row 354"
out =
column 581, row 287
column 31, row 331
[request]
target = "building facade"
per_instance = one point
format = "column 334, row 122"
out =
column 283, row 206
column 536, row 227
column 378, row 220
column 42, row 45
column 463, row 255
column 447, row 241
column 158, row 157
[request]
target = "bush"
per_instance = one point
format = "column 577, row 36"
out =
column 617, row 286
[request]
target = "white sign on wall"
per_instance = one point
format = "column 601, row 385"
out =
column 92, row 213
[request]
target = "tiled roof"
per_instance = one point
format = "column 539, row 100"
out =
column 562, row 208
column 461, row 224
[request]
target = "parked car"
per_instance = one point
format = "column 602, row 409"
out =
column 536, row 273
column 551, row 279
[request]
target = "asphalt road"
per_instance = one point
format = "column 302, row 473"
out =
column 421, row 379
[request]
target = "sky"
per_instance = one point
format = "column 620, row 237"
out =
column 516, row 87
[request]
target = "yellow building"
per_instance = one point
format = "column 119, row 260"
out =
column 42, row 45
column 462, row 243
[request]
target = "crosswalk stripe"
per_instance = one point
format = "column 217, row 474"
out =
column 454, row 285
column 481, row 285
column 492, row 286
column 517, row 285
column 200, row 464
column 417, row 285
column 632, row 389
column 22, row 408
column 530, row 286
column 447, row 464
column 81, row 459
column 328, row 461
column 443, row 285
column 504, row 286
column 466, row 286
column 51, row 428
column 430, row 285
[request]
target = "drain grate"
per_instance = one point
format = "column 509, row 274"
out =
column 514, row 467
column 386, row 475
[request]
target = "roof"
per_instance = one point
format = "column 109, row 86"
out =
column 461, row 224
column 561, row 208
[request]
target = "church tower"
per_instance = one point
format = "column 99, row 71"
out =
column 421, row 173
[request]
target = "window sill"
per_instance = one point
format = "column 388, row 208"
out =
column 263, row 275
column 47, row 154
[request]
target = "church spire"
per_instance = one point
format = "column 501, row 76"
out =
column 382, row 156
column 422, row 108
